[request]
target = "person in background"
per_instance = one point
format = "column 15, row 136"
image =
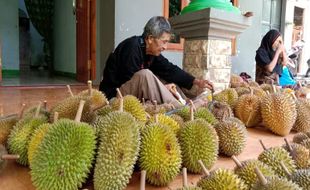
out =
column 270, row 58
column 138, row 68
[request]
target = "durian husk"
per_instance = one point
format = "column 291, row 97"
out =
column 274, row 156
column 301, row 178
column 235, row 81
column 302, row 123
column 167, row 121
column 228, row 96
column 199, row 141
column 221, row 179
column 6, row 125
column 220, row 110
column 276, row 183
column 232, row 137
column 3, row 163
column 278, row 113
column 300, row 154
column 97, row 98
column 299, row 137
column 248, row 110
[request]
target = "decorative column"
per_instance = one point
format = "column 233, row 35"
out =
column 207, row 48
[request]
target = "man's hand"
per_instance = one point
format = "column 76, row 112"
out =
column 172, row 88
column 201, row 83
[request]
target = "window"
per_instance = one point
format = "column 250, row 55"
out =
column 233, row 41
column 173, row 8
column 271, row 18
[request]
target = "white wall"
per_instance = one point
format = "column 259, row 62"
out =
column 9, row 34
column 249, row 40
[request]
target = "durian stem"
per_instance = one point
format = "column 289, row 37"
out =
column 274, row 88
column 121, row 98
column 204, row 169
column 156, row 118
column 290, row 149
column 1, row 110
column 56, row 116
column 69, row 90
column 80, row 111
column 237, row 162
column 263, row 145
column 90, row 88
column 9, row 157
column 45, row 104
column 185, row 184
column 267, row 92
column 38, row 110
column 143, row 101
column 287, row 172
column 260, row 176
column 293, row 95
column 142, row 180
column 191, row 110
column 249, row 118
column 22, row 111
column 251, row 91
column 156, row 106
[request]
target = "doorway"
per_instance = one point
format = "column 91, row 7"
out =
column 297, row 34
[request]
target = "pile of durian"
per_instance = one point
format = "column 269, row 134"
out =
column 86, row 137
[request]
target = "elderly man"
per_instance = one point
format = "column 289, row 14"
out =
column 137, row 67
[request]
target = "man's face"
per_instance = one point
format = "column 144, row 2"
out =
column 157, row 45
column 277, row 43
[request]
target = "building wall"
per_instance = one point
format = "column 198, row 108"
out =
column 249, row 40
column 36, row 42
column 64, row 37
column 9, row 34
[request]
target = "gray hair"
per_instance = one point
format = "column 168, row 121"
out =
column 156, row 26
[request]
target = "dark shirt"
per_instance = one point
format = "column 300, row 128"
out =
column 129, row 57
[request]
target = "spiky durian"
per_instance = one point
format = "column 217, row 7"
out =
column 248, row 110
column 104, row 110
column 221, row 179
column 160, row 154
column 30, row 112
column 243, row 90
column 300, row 154
column 36, row 140
column 235, row 81
column 118, row 150
column 278, row 113
column 221, row 111
column 20, row 136
column 190, row 188
column 178, row 119
column 306, row 143
column 246, row 171
column 64, row 157
column 301, row 178
column 232, row 137
column 184, row 113
column 205, row 114
column 253, row 84
column 97, row 98
column 131, row 105
column 274, row 156
column 68, row 107
column 167, row 121
column 302, row 123
column 198, row 141
column 299, row 137
column 3, row 162
column 6, row 125
column 276, row 183
column 228, row 96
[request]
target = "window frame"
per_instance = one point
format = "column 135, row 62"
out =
column 174, row 46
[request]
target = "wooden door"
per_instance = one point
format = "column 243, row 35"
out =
column 86, row 40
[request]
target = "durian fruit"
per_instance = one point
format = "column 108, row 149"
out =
column 299, row 137
column 232, row 137
column 160, row 154
column 167, row 121
column 273, row 183
column 300, row 177
column 248, row 109
column 36, row 140
column 199, row 141
column 205, row 114
column 68, row 107
column 153, row 108
column 184, row 113
column 220, row 179
column 253, row 84
column 306, row 143
column 4, row 157
column 64, row 157
column 274, row 156
column 299, row 153
column 21, row 134
column 235, row 81
column 30, row 112
column 185, row 183
column 302, row 123
column 104, row 110
column 7, row 123
column 278, row 113
column 178, row 119
column 228, row 96
column 245, row 170
column 118, row 151
column 97, row 98
column 268, row 87
column 131, row 105
column 242, row 90
column 220, row 110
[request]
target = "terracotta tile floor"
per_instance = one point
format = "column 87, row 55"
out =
column 16, row 177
